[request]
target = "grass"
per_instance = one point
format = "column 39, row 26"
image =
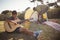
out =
column 2, row 26
column 55, row 20
column 48, row 32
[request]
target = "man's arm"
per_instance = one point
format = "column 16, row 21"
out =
column 9, row 20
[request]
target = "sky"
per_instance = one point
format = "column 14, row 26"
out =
column 18, row 5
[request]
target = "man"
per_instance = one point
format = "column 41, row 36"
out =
column 15, row 19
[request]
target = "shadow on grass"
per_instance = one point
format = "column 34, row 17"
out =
column 15, row 36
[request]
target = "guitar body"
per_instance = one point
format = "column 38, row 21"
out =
column 11, row 26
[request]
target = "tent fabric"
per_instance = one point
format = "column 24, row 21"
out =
column 42, row 8
column 34, row 16
column 28, row 13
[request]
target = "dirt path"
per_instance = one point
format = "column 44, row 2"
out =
column 53, row 24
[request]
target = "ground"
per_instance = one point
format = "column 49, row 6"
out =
column 55, row 20
column 48, row 33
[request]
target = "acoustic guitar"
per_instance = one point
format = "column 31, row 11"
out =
column 13, row 25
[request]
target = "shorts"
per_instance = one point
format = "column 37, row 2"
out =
column 17, row 29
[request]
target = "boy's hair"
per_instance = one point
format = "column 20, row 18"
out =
column 14, row 12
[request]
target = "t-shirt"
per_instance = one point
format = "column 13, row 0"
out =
column 11, row 18
column 14, row 20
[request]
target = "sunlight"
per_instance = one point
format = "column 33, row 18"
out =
column 58, row 3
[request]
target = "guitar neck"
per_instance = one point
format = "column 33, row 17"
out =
column 22, row 21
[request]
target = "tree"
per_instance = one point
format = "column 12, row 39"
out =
column 1, row 17
column 21, row 16
column 6, row 13
column 50, row 4
column 58, row 0
column 54, row 13
column 27, row 8
column 33, row 1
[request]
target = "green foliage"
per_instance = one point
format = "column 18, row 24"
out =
column 38, row 0
column 1, row 17
column 5, row 14
column 54, row 13
column 21, row 16
column 42, row 8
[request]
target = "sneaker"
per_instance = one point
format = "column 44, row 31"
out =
column 37, row 33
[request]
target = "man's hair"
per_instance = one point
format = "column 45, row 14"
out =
column 14, row 12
